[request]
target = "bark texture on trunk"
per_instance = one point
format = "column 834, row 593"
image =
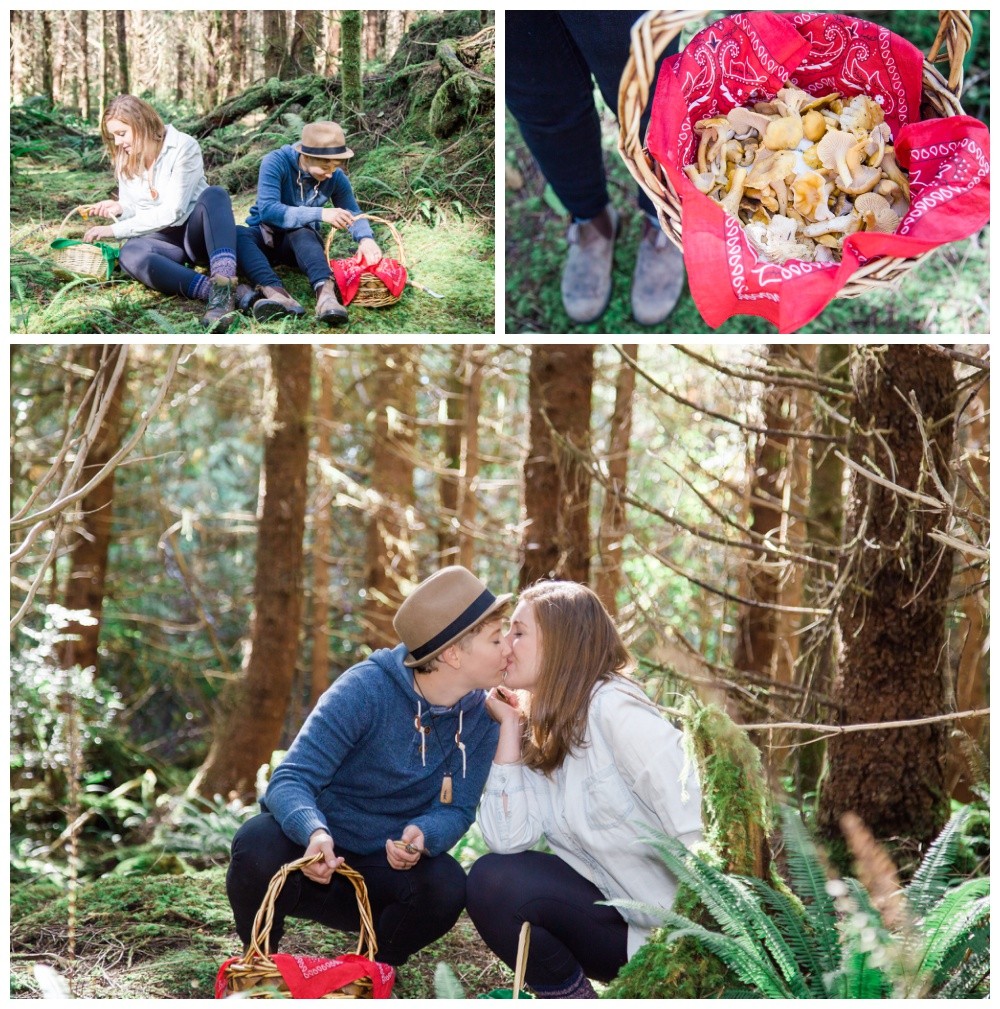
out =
column 893, row 663
column 608, row 578
column 253, row 718
column 390, row 567
column 556, row 541
column 89, row 563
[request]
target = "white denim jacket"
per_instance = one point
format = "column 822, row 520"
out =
column 178, row 179
column 628, row 782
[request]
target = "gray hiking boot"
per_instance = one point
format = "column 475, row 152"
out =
column 275, row 301
column 586, row 279
column 659, row 276
column 328, row 306
column 221, row 304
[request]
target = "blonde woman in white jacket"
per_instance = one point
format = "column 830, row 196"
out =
column 171, row 217
column 586, row 762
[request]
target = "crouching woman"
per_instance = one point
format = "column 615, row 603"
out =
column 170, row 217
column 587, row 762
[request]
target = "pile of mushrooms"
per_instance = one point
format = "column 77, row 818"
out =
column 801, row 173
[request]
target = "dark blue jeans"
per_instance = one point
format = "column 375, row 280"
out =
column 160, row 259
column 410, row 908
column 569, row 928
column 551, row 58
column 299, row 247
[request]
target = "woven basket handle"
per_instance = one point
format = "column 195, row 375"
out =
column 262, row 924
column 75, row 210
column 955, row 34
column 651, row 35
column 400, row 258
column 521, row 963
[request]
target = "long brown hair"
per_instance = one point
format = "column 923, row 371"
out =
column 148, row 132
column 580, row 646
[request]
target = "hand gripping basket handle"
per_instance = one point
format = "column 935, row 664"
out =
column 654, row 31
column 400, row 258
column 262, row 924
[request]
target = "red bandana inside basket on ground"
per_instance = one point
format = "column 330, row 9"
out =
column 348, row 272
column 314, row 977
column 747, row 58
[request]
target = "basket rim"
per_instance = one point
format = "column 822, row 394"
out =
column 633, row 95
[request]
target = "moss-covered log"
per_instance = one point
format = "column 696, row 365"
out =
column 736, row 811
column 268, row 95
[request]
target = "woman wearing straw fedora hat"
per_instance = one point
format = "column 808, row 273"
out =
column 295, row 184
column 385, row 773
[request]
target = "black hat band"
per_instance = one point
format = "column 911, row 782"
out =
column 465, row 619
column 323, row 152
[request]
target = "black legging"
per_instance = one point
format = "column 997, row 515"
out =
column 569, row 929
column 206, row 238
column 410, row 908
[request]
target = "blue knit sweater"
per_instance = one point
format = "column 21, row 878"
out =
column 355, row 767
column 289, row 198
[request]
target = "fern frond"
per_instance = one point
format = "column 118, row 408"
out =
column 809, row 879
column 957, row 929
column 857, row 978
column 933, row 875
column 799, row 934
column 969, row 981
column 746, row 963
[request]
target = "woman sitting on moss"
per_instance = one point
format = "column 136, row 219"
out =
column 295, row 184
column 169, row 214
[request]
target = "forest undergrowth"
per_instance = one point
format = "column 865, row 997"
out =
column 424, row 160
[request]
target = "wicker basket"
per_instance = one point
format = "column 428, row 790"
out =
column 651, row 35
column 373, row 293
column 256, row 969
column 82, row 259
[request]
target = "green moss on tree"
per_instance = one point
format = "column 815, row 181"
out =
column 736, row 811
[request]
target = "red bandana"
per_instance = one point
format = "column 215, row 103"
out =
column 746, row 58
column 348, row 275
column 314, row 977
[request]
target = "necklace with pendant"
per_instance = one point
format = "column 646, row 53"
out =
column 423, row 731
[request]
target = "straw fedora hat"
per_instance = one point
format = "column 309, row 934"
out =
column 440, row 610
column 323, row 140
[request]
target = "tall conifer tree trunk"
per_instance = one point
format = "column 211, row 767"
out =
column 609, row 577
column 556, row 539
column 893, row 612
column 250, row 726
column 121, row 36
column 350, row 66
column 89, row 563
column 390, row 566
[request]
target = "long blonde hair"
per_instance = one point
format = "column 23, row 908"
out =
column 148, row 132
column 580, row 646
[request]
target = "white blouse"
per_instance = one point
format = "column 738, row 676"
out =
column 628, row 782
column 178, row 179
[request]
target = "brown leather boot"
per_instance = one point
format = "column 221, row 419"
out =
column 221, row 304
column 659, row 276
column 586, row 279
column 328, row 306
column 275, row 301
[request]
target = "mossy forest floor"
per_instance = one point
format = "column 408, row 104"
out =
column 424, row 160
column 165, row 936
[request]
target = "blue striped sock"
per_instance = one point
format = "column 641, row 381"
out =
column 199, row 287
column 222, row 263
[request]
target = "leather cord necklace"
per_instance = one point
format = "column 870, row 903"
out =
column 423, row 731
